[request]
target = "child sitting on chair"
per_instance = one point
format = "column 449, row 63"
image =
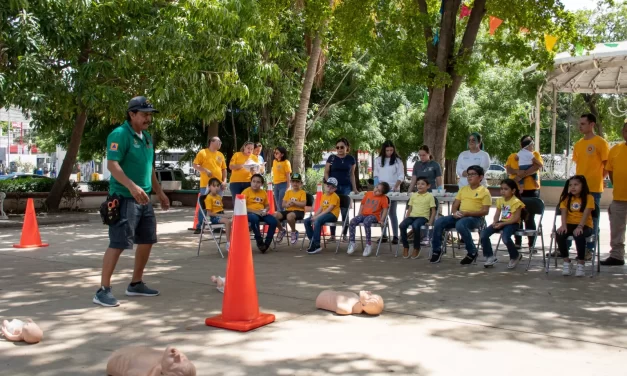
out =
column 257, row 205
column 526, row 160
column 294, row 202
column 328, row 212
column 214, row 209
column 576, row 206
column 420, row 211
column 374, row 209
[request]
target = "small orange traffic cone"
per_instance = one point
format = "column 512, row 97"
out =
column 317, row 203
column 30, row 230
column 270, row 204
column 195, row 215
column 240, row 305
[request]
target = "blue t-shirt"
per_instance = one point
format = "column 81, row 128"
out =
column 341, row 168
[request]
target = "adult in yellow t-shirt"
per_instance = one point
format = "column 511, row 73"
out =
column 590, row 155
column 617, row 168
column 281, row 170
column 471, row 205
column 529, row 188
column 210, row 162
column 243, row 164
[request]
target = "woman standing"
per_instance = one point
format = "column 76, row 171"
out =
column 428, row 168
column 474, row 156
column 281, row 170
column 388, row 168
column 258, row 147
column 341, row 166
column 240, row 172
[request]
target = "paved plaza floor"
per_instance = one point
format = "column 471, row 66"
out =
column 441, row 319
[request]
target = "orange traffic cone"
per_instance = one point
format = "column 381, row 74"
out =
column 30, row 230
column 271, row 204
column 195, row 215
column 240, row 305
column 317, row 203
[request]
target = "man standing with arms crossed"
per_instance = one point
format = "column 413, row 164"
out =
column 130, row 155
column 617, row 168
column 211, row 164
column 590, row 154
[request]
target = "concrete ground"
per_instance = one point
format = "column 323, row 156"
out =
column 441, row 319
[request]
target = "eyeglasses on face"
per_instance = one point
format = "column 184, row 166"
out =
column 472, row 174
column 340, row 147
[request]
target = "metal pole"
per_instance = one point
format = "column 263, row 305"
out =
column 553, row 128
column 538, row 113
column 570, row 102
column 9, row 129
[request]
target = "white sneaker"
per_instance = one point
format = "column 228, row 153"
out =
column 351, row 248
column 580, row 272
column 367, row 250
column 228, row 246
column 566, row 269
column 425, row 241
column 490, row 261
column 513, row 262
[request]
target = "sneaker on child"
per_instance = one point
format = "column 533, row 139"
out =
column 581, row 271
column 351, row 248
column 490, row 261
column 367, row 250
column 566, row 268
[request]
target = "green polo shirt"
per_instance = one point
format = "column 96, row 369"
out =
column 134, row 154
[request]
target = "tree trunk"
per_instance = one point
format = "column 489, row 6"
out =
column 56, row 193
column 300, row 123
column 449, row 174
column 591, row 101
column 234, row 132
column 212, row 131
column 435, row 127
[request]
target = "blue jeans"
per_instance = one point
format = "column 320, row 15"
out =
column 313, row 229
column 416, row 223
column 238, row 188
column 463, row 227
column 279, row 192
column 393, row 219
column 253, row 221
column 342, row 190
column 507, row 232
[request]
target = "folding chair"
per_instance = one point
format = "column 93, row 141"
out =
column 452, row 231
column 345, row 202
column 534, row 207
column 596, row 251
column 382, row 226
column 206, row 222
column 427, row 228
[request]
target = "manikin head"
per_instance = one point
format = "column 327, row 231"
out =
column 372, row 304
column 175, row 363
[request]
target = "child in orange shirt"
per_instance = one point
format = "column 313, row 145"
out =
column 374, row 209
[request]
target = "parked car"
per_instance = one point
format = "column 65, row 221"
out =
column 496, row 172
column 17, row 175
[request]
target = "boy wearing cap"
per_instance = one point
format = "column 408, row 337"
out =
column 294, row 203
column 328, row 212
column 130, row 155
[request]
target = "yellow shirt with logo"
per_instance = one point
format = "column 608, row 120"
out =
column 331, row 199
column 280, row 171
column 529, row 182
column 242, row 175
column 421, row 204
column 293, row 196
column 255, row 200
column 589, row 156
column 617, row 163
column 573, row 214
column 508, row 208
column 214, row 204
column 213, row 161
column 473, row 200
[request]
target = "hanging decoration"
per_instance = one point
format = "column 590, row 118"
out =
column 464, row 12
column 613, row 45
column 442, row 7
column 578, row 50
column 425, row 101
column 549, row 41
column 436, row 37
column 495, row 22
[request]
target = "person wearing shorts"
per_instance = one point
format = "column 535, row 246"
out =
column 294, row 202
column 130, row 155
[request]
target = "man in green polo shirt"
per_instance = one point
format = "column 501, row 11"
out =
column 130, row 154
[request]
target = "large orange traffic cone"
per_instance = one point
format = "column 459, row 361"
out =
column 30, row 230
column 240, row 305
column 270, row 204
column 317, row 203
column 195, row 215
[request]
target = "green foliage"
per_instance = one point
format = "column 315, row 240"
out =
column 26, row 185
column 98, row 186
column 312, row 179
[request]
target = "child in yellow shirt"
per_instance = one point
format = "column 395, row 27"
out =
column 420, row 211
column 257, row 206
column 214, row 208
column 327, row 213
column 294, row 202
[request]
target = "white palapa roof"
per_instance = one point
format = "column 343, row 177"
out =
column 602, row 70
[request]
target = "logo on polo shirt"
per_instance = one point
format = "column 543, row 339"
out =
column 590, row 149
column 217, row 203
column 325, row 202
column 114, row 146
column 575, row 206
column 293, row 199
column 258, row 199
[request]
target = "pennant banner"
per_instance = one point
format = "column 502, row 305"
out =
column 549, row 42
column 494, row 24
column 436, row 38
column 464, row 12
column 578, row 50
column 425, row 101
column 611, row 44
column 524, row 30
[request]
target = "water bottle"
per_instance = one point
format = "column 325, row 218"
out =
column 376, row 181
